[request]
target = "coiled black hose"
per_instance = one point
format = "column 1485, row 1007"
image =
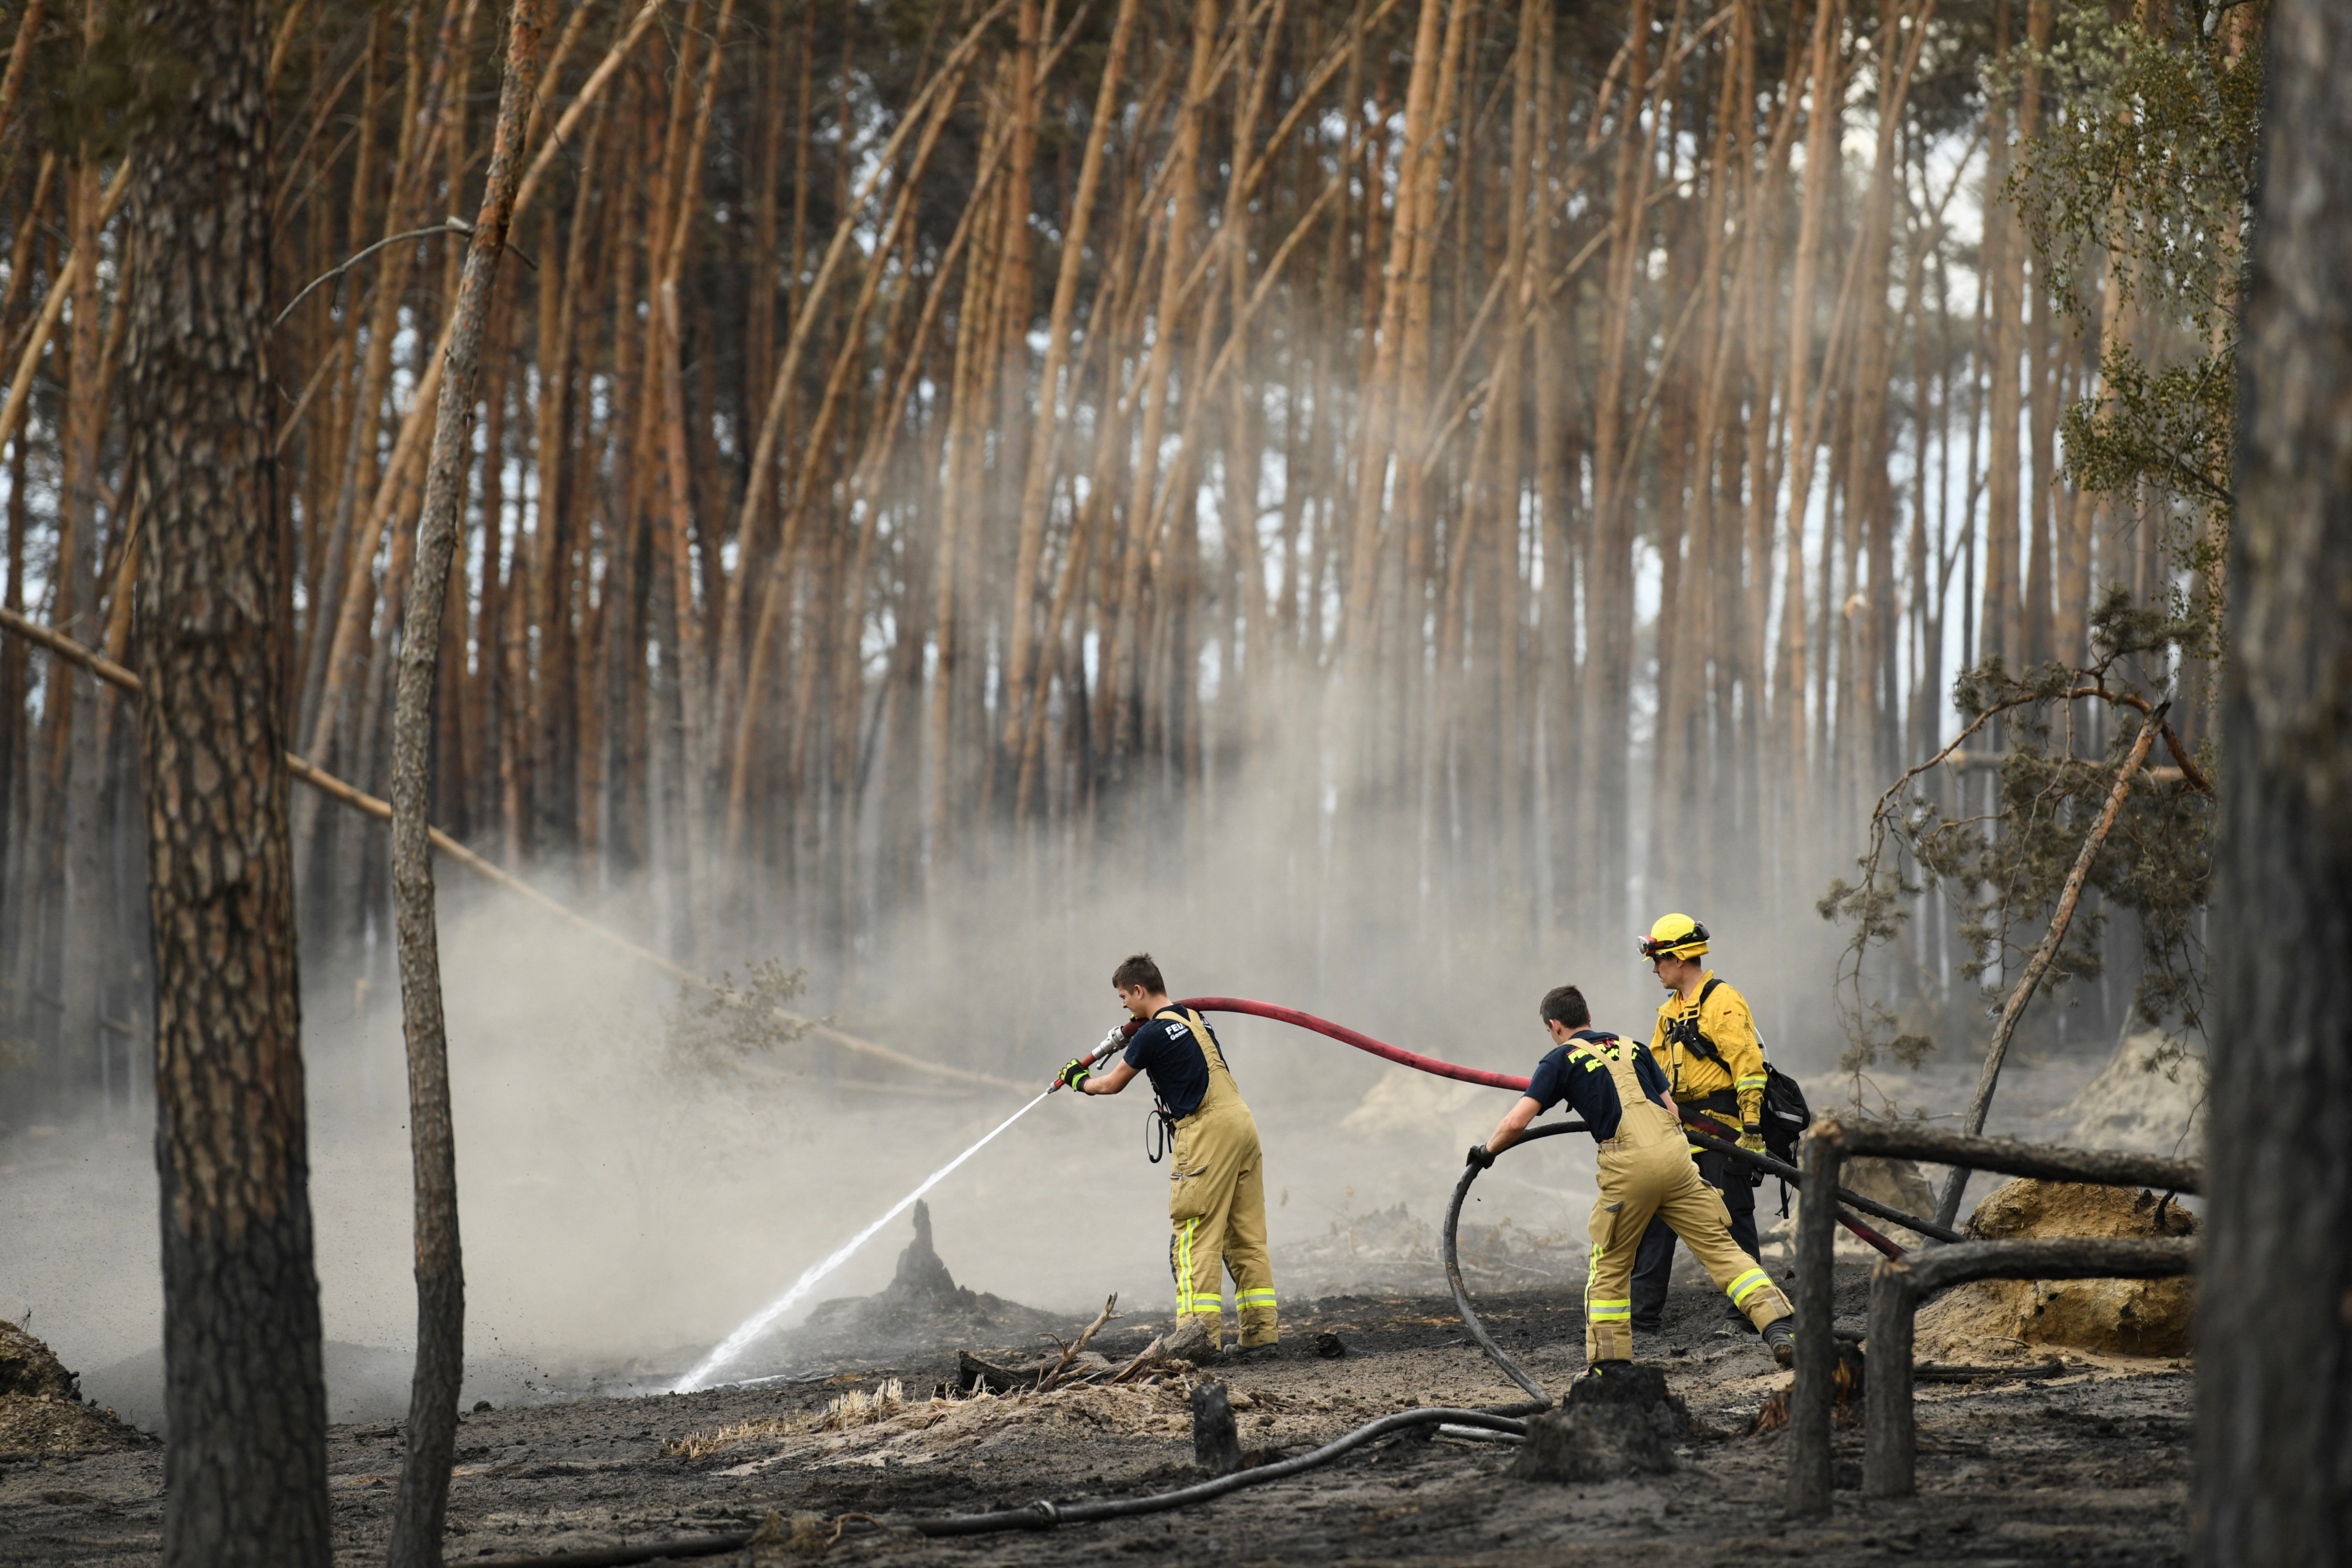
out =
column 1538, row 1399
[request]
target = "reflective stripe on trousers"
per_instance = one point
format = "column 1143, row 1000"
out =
column 1179, row 1263
column 1747, row 1285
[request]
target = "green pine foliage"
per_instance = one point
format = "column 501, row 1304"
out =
column 2136, row 197
column 717, row 1032
column 2003, row 872
column 2141, row 187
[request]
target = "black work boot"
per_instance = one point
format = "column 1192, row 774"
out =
column 1780, row 1338
column 1732, row 1314
column 1605, row 1368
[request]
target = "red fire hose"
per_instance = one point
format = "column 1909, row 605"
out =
column 1420, row 1063
column 1346, row 1036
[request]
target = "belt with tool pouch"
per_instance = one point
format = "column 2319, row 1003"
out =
column 1722, row 1106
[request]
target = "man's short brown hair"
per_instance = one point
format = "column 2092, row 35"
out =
column 1139, row 970
column 1564, row 1005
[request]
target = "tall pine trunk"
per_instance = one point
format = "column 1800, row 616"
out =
column 245, row 1473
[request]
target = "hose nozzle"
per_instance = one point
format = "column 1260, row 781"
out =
column 1099, row 1055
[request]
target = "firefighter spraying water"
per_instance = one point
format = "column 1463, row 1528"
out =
column 1218, row 1197
column 1216, row 1193
column 1217, row 1183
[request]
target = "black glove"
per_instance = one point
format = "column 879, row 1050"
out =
column 1075, row 1075
column 1480, row 1156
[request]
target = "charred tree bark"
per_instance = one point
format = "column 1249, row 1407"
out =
column 2275, row 1309
column 245, row 1470
column 440, row 1271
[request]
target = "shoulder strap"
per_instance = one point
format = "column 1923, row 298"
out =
column 1210, row 1051
column 1706, row 991
column 1691, row 1034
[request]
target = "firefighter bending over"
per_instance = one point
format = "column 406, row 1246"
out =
column 1645, row 1172
column 1216, row 1194
column 1706, row 1040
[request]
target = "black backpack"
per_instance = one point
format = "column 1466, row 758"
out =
column 1786, row 1114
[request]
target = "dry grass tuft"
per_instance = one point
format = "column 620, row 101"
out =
column 855, row 1409
column 840, row 1414
column 884, row 1419
column 804, row 1533
column 702, row 1445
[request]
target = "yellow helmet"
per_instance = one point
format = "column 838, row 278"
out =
column 1674, row 936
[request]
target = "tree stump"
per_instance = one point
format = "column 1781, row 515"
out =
column 1608, row 1426
column 1216, row 1446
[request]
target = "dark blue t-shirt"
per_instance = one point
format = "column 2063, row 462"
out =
column 1166, row 1051
column 1586, row 1083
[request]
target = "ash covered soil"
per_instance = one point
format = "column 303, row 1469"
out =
column 2088, row 1465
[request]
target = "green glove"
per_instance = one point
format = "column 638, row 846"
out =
column 1751, row 1138
column 1075, row 1075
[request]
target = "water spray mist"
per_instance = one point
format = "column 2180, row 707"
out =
column 760, row 1322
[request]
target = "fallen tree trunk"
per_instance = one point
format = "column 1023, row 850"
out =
column 359, row 800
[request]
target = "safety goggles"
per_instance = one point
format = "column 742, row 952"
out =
column 1652, row 949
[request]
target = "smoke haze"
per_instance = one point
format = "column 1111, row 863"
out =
column 623, row 1208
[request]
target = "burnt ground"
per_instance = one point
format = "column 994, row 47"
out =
column 2090, row 1466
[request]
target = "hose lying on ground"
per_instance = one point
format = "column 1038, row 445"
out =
column 1044, row 1514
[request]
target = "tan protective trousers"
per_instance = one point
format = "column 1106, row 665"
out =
column 1646, row 1170
column 1216, row 1201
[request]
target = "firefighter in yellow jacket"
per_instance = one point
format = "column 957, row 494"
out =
column 1645, row 1179
column 1705, row 1041
column 1216, row 1194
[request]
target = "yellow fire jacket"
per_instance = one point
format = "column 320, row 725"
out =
column 1730, row 1091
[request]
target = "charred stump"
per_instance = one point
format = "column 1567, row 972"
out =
column 1608, row 1426
column 1216, row 1444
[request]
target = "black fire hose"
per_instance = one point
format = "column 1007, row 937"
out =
column 1511, row 1369
column 1788, row 1173
column 1044, row 1514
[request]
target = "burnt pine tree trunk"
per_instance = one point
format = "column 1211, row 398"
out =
column 2275, row 1313
column 440, row 1270
column 245, row 1472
